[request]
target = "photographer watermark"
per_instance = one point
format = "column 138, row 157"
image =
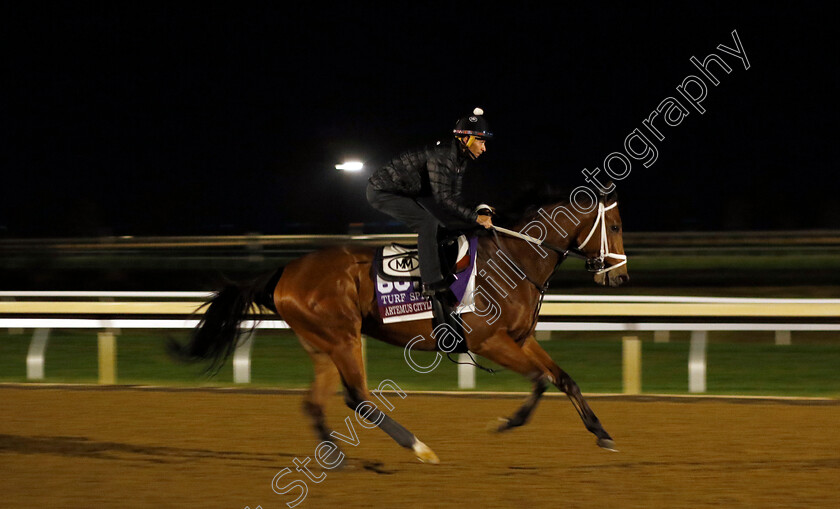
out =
column 669, row 113
column 327, row 454
column 503, row 275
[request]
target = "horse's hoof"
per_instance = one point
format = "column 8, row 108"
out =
column 498, row 425
column 424, row 453
column 607, row 444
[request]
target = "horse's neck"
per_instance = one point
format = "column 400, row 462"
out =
column 563, row 224
column 536, row 262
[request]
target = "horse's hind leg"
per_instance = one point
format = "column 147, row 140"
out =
column 348, row 358
column 323, row 386
column 319, row 296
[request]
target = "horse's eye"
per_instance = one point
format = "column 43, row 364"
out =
column 615, row 228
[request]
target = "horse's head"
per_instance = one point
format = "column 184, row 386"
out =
column 596, row 232
column 600, row 241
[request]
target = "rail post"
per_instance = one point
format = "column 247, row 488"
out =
column 36, row 353
column 242, row 357
column 783, row 337
column 631, row 353
column 697, row 362
column 466, row 372
column 107, row 357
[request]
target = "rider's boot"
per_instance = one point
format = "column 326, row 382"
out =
column 443, row 306
column 441, row 285
column 437, row 294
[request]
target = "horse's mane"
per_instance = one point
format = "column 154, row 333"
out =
column 528, row 198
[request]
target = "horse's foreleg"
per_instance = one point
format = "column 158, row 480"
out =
column 568, row 386
column 502, row 349
column 348, row 359
column 564, row 382
column 522, row 415
column 533, row 362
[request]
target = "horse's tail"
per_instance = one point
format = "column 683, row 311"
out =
column 215, row 337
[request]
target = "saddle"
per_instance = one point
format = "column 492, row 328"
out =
column 396, row 262
column 396, row 270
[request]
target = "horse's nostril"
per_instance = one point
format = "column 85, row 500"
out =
column 624, row 278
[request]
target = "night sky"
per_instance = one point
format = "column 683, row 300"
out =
column 164, row 119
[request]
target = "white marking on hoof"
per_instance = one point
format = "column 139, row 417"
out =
column 607, row 444
column 424, row 453
column 498, row 424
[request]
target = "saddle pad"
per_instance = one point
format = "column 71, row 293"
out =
column 401, row 300
column 399, row 261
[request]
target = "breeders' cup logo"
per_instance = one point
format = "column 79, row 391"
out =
column 403, row 264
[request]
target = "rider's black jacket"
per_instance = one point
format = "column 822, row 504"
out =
column 436, row 171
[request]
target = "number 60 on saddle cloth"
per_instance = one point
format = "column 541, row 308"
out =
column 397, row 273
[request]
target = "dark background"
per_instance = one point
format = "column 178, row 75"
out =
column 158, row 119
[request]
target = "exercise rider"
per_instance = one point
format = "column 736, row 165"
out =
column 422, row 188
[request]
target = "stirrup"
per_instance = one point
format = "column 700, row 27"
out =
column 439, row 310
column 445, row 297
column 432, row 289
column 442, row 314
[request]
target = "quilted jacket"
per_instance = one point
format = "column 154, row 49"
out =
column 436, row 171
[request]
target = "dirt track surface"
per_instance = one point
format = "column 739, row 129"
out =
column 63, row 448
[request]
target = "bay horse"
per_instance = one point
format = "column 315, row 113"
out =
column 328, row 299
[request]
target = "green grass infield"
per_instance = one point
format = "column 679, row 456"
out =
column 737, row 363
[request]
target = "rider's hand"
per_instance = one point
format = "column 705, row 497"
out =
column 484, row 221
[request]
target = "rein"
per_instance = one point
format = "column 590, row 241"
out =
column 593, row 264
column 532, row 240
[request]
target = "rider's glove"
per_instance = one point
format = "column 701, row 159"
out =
column 485, row 210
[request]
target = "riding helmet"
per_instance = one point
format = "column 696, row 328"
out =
column 473, row 125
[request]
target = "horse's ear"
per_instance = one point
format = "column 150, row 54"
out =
column 612, row 195
column 609, row 184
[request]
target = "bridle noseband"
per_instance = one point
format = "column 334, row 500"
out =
column 596, row 264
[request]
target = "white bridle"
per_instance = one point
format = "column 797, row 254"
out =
column 605, row 248
column 602, row 254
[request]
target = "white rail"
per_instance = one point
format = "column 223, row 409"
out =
column 718, row 313
column 107, row 295
column 548, row 298
column 679, row 299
